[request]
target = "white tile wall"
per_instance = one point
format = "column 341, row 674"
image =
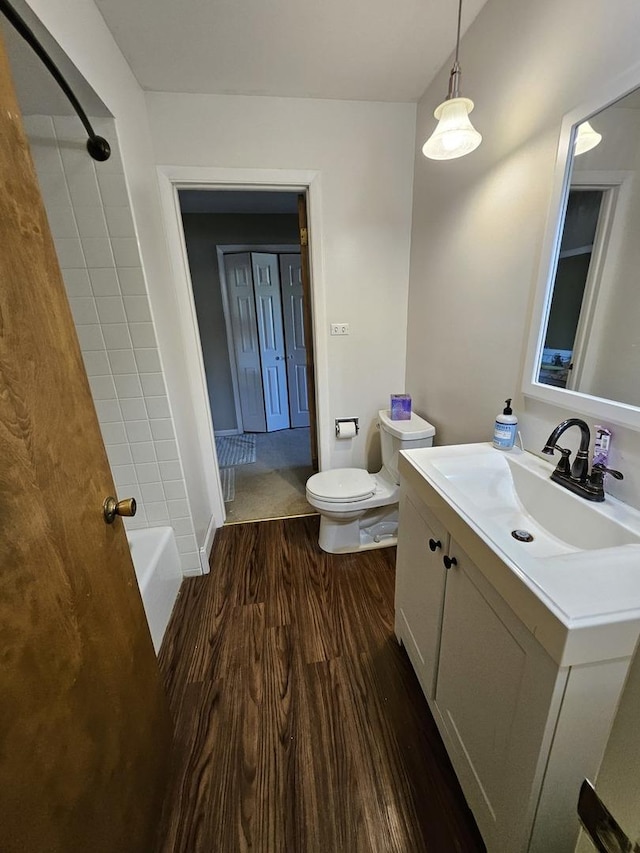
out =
column 90, row 218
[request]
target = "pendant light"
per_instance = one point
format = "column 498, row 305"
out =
column 454, row 136
column 586, row 139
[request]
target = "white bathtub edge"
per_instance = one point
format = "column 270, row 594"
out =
column 161, row 577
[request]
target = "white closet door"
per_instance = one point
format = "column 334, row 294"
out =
column 296, row 349
column 266, row 283
column 246, row 345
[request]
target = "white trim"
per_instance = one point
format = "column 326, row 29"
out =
column 172, row 178
column 616, row 189
column 205, row 551
column 190, row 336
column 192, row 573
column 586, row 404
column 594, row 284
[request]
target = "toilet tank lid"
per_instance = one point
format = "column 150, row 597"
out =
column 412, row 430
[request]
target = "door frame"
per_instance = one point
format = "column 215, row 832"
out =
column 616, row 188
column 593, row 280
column 221, row 251
column 309, row 182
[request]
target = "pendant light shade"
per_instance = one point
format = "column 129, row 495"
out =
column 454, row 136
column 586, row 139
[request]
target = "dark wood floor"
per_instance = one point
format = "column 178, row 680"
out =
column 300, row 726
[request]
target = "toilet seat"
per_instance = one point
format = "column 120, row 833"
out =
column 341, row 485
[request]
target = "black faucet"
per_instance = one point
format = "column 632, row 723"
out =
column 576, row 477
column 580, row 466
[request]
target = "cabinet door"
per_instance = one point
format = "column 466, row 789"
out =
column 497, row 696
column 420, row 580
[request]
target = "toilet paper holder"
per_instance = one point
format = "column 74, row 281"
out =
column 340, row 421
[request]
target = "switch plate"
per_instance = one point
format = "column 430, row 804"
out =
column 339, row 328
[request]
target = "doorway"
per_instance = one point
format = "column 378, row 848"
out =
column 254, row 319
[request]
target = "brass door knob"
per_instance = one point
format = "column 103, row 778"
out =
column 112, row 507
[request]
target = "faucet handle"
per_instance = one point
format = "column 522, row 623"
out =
column 600, row 470
column 563, row 466
column 595, row 483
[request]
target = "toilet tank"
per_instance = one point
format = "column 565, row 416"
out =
column 402, row 435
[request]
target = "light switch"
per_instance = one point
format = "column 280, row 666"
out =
column 339, row 328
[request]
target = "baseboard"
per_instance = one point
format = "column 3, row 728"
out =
column 192, row 573
column 205, row 551
column 228, row 432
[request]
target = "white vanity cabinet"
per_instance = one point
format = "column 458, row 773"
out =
column 420, row 585
column 521, row 730
column 495, row 692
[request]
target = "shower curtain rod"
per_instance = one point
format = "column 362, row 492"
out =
column 97, row 146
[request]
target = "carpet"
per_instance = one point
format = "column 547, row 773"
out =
column 228, row 480
column 236, row 449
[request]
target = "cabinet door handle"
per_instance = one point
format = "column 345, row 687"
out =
column 434, row 544
column 449, row 561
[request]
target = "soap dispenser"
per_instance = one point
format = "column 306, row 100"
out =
column 506, row 428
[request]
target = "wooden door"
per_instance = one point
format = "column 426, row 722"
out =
column 84, row 731
column 266, row 285
column 246, row 345
column 294, row 338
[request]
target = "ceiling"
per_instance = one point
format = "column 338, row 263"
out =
column 372, row 50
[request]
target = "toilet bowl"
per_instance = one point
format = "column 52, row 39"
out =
column 358, row 510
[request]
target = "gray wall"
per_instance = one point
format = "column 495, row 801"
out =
column 203, row 233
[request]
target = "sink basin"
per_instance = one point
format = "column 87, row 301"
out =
column 580, row 560
column 516, row 490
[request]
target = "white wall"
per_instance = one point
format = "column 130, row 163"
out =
column 79, row 29
column 478, row 222
column 90, row 219
column 363, row 152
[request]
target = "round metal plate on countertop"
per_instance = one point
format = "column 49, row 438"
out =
column 522, row 535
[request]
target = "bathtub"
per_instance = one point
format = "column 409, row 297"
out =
column 155, row 558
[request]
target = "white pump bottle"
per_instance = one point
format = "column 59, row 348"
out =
column 506, row 428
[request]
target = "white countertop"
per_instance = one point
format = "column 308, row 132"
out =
column 580, row 600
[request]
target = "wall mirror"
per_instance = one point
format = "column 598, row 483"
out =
column 584, row 350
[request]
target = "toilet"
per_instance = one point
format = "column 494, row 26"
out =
column 358, row 510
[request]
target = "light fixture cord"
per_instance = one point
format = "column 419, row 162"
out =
column 458, row 35
column 454, row 77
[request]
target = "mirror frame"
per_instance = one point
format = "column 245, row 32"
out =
column 600, row 408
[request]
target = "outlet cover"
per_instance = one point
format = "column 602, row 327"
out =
column 339, row 328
